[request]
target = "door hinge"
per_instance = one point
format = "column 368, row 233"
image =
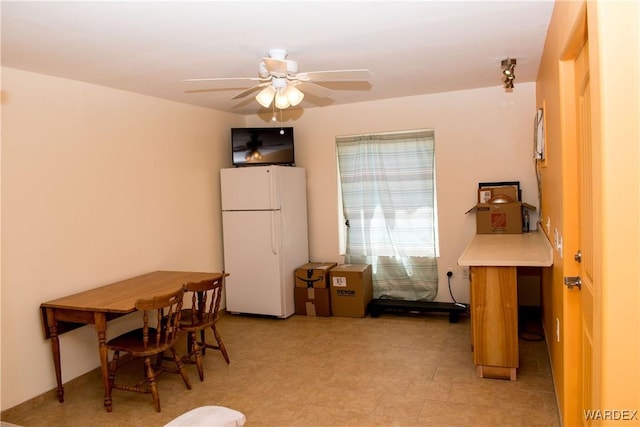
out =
column 573, row 281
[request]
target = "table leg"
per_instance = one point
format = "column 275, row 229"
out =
column 101, row 330
column 52, row 324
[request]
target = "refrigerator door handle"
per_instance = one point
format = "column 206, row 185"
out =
column 274, row 233
column 273, row 188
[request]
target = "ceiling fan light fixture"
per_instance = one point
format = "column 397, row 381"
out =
column 282, row 101
column 294, row 95
column 265, row 97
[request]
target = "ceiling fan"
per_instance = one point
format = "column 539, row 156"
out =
column 282, row 84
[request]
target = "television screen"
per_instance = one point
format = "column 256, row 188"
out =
column 262, row 146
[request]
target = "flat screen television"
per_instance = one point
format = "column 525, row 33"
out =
column 262, row 146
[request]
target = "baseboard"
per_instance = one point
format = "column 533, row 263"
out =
column 28, row 405
column 21, row 409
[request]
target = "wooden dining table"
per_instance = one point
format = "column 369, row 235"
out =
column 99, row 305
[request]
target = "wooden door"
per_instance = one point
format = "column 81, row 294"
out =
column 585, row 334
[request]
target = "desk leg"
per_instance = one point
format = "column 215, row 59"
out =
column 52, row 324
column 101, row 330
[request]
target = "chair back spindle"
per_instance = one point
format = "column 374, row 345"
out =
column 167, row 318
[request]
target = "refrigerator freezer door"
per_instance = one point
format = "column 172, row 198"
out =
column 249, row 188
column 252, row 253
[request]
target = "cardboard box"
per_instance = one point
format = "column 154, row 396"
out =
column 313, row 301
column 311, row 294
column 313, row 275
column 351, row 289
column 499, row 209
column 500, row 218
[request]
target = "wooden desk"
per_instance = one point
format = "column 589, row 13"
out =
column 493, row 261
column 99, row 305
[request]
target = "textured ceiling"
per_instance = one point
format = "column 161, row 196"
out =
column 150, row 47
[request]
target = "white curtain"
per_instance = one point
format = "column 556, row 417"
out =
column 388, row 197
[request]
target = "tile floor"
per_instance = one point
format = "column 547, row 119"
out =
column 394, row 370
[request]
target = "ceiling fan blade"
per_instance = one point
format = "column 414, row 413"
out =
column 250, row 90
column 314, row 89
column 229, row 79
column 335, row 75
column 276, row 67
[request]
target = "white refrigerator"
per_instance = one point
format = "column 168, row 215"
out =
column 265, row 237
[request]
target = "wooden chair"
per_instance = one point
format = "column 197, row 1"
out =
column 203, row 315
column 164, row 312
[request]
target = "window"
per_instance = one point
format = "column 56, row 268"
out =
column 388, row 201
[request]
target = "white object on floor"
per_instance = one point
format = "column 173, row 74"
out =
column 210, row 416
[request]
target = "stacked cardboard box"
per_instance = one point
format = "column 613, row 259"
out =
column 499, row 209
column 311, row 293
column 351, row 289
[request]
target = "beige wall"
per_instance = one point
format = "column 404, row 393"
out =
column 97, row 185
column 481, row 135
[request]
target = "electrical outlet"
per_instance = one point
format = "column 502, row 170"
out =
column 465, row 273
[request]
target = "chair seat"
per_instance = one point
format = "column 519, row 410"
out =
column 211, row 416
column 187, row 323
column 132, row 343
